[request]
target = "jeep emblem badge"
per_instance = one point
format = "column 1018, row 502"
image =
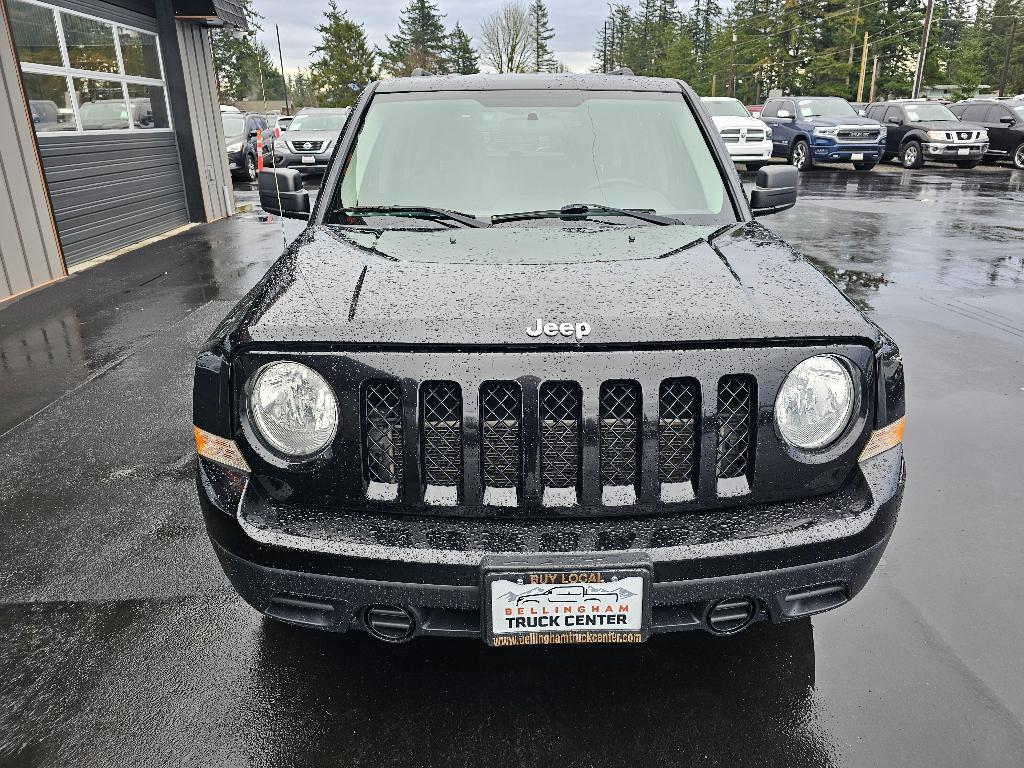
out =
column 579, row 330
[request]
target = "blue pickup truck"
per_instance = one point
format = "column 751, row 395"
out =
column 814, row 130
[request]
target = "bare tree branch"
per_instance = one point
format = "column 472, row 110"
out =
column 505, row 38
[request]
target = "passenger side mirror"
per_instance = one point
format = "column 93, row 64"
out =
column 774, row 190
column 1007, row 120
column 281, row 193
column 784, row 114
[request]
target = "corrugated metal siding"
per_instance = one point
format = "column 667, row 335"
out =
column 112, row 190
column 29, row 252
column 204, row 114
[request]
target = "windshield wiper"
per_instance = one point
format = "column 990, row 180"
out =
column 415, row 211
column 583, row 210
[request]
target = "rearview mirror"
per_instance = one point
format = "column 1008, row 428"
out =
column 774, row 190
column 281, row 193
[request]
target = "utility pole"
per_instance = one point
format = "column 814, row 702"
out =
column 731, row 88
column 923, row 53
column 280, row 58
column 1006, row 60
column 874, row 77
column 853, row 44
column 714, row 84
column 863, row 66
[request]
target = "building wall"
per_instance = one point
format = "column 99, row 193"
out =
column 204, row 116
column 29, row 251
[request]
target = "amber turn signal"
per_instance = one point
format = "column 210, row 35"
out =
column 883, row 439
column 219, row 449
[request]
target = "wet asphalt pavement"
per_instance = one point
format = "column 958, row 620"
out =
column 122, row 644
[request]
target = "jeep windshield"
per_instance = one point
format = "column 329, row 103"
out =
column 544, row 152
column 829, row 107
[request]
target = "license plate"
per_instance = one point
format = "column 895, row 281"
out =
column 964, row 151
column 857, row 156
column 308, row 159
column 554, row 604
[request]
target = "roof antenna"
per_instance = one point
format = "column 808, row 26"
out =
column 420, row 72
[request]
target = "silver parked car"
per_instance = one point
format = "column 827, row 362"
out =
column 309, row 141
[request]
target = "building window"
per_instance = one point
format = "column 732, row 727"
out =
column 82, row 73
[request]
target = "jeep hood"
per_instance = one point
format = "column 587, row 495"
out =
column 465, row 287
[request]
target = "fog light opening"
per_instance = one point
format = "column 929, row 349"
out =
column 731, row 615
column 389, row 623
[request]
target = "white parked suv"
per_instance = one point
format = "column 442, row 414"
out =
column 748, row 140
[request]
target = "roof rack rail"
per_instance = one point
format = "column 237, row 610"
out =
column 421, row 72
column 622, row 71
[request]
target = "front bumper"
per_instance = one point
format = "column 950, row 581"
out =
column 834, row 152
column 285, row 158
column 325, row 570
column 951, row 152
column 750, row 151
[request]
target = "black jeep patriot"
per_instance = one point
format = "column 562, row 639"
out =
column 533, row 373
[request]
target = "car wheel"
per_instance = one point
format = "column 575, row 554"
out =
column 911, row 155
column 250, row 168
column 864, row 166
column 1018, row 157
column 800, row 156
column 967, row 163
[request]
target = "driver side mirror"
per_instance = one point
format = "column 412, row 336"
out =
column 281, row 193
column 1007, row 120
column 774, row 190
column 894, row 120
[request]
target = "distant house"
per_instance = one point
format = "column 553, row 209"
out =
column 951, row 92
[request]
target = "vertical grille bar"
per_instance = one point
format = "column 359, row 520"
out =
column 677, row 430
column 735, row 427
column 501, row 407
column 441, row 421
column 560, row 417
column 382, row 439
column 620, row 420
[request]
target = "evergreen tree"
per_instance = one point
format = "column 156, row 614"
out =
column 462, row 59
column 343, row 62
column 421, row 41
column 239, row 62
column 540, row 34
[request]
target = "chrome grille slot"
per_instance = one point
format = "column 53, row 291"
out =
column 735, row 434
column 441, row 424
column 382, row 439
column 501, row 406
column 560, row 421
column 306, row 146
column 678, row 405
column 620, row 443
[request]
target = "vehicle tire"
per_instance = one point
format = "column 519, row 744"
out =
column 250, row 168
column 864, row 166
column 800, row 156
column 1018, row 157
column 911, row 155
column 967, row 163
column 755, row 167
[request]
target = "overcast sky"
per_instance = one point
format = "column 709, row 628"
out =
column 575, row 23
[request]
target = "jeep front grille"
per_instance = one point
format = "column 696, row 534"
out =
column 560, row 421
column 735, row 427
column 528, row 445
column 382, row 438
column 501, row 413
column 441, row 419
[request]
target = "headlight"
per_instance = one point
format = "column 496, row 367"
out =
column 768, row 133
column 983, row 136
column 825, row 131
column 815, row 403
column 937, row 135
column 235, row 147
column 293, row 408
column 882, row 131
